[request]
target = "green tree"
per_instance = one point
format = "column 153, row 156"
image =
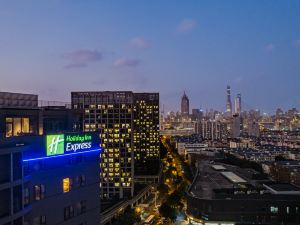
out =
column 168, row 212
column 163, row 189
column 129, row 217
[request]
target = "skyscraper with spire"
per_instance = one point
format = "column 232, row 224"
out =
column 185, row 105
column 228, row 103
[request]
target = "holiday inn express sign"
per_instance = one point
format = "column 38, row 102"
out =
column 60, row 144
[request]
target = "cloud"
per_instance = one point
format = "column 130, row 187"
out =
column 82, row 57
column 125, row 62
column 186, row 25
column 139, row 42
column 270, row 47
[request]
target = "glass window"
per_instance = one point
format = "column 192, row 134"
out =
column 9, row 127
column 66, row 184
column 26, row 196
column 40, row 220
column 17, row 127
column 25, row 125
column 81, row 180
column 82, row 207
column 274, row 209
column 68, row 212
column 39, row 192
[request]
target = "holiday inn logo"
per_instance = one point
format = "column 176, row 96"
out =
column 55, row 144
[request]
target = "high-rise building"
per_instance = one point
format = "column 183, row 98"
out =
column 110, row 113
column 236, row 126
column 146, row 133
column 128, row 124
column 185, row 105
column 228, row 102
column 211, row 129
column 238, row 104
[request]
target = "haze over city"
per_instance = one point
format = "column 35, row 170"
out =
column 51, row 48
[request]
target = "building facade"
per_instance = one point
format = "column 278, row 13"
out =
column 33, row 184
column 129, row 129
column 238, row 104
column 57, row 187
column 110, row 114
column 146, row 144
column 185, row 105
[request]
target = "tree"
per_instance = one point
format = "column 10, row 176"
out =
column 163, row 189
column 129, row 217
column 168, row 212
column 279, row 158
column 174, row 199
column 163, row 151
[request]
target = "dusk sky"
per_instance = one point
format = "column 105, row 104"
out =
column 53, row 47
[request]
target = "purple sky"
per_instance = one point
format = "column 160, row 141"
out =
column 54, row 47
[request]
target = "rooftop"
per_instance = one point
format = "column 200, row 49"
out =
column 233, row 177
column 215, row 181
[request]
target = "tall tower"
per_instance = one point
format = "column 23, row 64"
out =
column 228, row 103
column 238, row 104
column 185, row 105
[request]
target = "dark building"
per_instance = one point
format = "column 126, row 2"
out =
column 225, row 194
column 197, row 114
column 60, row 119
column 44, row 183
column 12, row 208
column 37, row 187
column 185, row 105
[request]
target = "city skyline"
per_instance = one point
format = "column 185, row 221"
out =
column 51, row 47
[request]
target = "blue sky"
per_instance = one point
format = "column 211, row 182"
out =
column 53, row 47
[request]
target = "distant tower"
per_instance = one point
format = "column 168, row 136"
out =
column 185, row 105
column 238, row 104
column 228, row 103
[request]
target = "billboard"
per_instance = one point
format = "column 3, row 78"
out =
column 60, row 144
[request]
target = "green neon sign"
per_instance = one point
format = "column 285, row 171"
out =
column 55, row 144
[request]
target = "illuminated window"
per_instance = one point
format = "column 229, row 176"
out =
column 274, row 209
column 17, row 126
column 67, row 184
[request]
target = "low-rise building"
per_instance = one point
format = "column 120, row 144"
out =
column 232, row 196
